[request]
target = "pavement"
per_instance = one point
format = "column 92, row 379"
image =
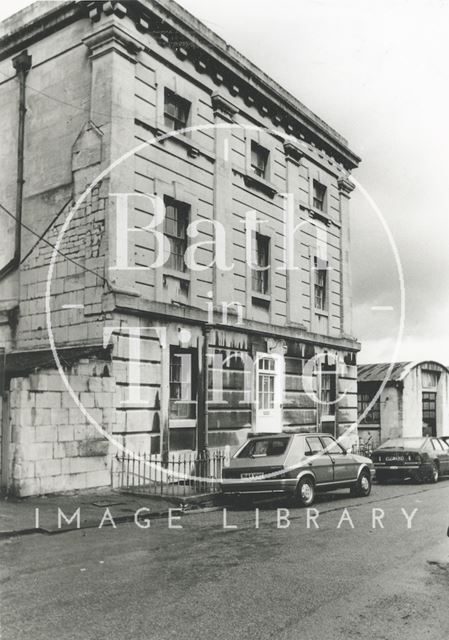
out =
column 237, row 574
column 53, row 513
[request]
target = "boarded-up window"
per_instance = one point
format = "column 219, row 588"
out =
column 429, row 379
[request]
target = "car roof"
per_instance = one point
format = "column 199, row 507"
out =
column 285, row 434
column 406, row 440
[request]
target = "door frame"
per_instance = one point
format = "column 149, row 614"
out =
column 274, row 416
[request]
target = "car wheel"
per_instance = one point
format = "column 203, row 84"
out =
column 362, row 488
column 305, row 492
column 435, row 473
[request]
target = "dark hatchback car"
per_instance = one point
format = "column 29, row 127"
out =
column 297, row 465
column 417, row 458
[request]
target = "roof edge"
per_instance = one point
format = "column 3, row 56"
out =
column 175, row 19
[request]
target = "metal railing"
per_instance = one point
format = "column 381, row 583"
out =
column 180, row 474
column 364, row 449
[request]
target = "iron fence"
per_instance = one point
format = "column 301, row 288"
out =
column 364, row 449
column 178, row 474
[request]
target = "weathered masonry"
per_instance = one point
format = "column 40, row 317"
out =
column 218, row 353
column 414, row 401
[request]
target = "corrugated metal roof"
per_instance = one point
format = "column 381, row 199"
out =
column 377, row 372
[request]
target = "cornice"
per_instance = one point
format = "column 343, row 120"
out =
column 293, row 153
column 193, row 315
column 173, row 27
column 191, row 40
column 43, row 26
column 223, row 107
column 113, row 36
column 346, row 187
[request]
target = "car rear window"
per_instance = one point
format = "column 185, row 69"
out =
column 403, row 443
column 264, row 447
column 314, row 445
column 437, row 444
column 332, row 446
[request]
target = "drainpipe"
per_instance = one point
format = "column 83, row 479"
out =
column 203, row 418
column 22, row 64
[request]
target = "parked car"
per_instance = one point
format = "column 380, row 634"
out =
column 297, row 465
column 418, row 458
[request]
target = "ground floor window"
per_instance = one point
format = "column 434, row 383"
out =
column 328, row 390
column 183, row 383
column 429, row 413
column 364, row 399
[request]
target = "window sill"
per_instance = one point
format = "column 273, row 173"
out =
column 324, row 217
column 182, row 138
column 253, row 181
column 320, row 312
column 193, row 150
column 179, row 275
column 261, row 299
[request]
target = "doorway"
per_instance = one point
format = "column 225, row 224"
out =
column 269, row 392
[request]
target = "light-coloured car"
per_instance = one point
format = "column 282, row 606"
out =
column 298, row 464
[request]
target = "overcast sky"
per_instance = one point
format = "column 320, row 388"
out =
column 378, row 72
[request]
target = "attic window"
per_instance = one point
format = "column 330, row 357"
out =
column 176, row 111
column 319, row 195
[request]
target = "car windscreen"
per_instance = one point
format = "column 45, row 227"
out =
column 264, row 447
column 403, row 443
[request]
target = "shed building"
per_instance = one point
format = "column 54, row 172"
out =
column 413, row 402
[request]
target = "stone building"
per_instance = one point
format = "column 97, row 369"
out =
column 162, row 358
column 413, row 402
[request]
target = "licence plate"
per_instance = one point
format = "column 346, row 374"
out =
column 252, row 476
column 393, row 467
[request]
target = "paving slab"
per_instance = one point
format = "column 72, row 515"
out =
column 58, row 513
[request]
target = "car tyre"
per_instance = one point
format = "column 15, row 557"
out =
column 435, row 473
column 362, row 488
column 305, row 492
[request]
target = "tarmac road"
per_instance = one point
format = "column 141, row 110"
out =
column 204, row 581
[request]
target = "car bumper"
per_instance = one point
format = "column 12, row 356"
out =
column 235, row 485
column 403, row 470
